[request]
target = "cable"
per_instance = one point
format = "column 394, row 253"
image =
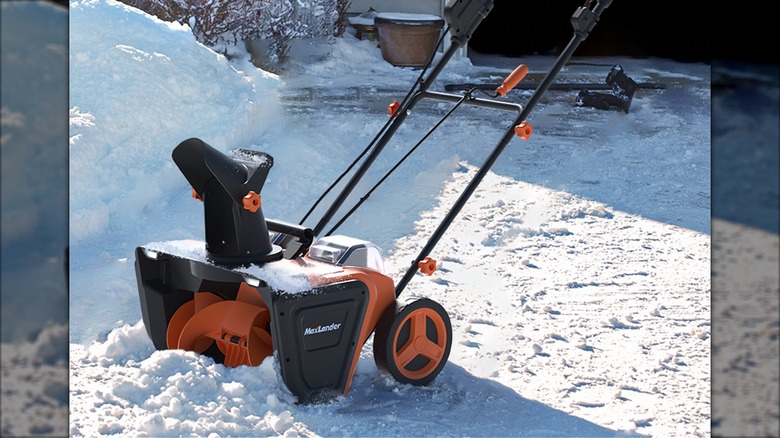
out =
column 467, row 95
column 381, row 132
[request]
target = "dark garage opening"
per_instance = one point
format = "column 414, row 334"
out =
column 664, row 29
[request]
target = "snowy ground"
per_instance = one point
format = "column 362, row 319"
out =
column 577, row 279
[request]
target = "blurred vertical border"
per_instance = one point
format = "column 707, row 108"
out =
column 34, row 211
column 745, row 223
column 745, row 78
column 745, row 248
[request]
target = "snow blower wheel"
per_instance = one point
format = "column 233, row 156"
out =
column 413, row 342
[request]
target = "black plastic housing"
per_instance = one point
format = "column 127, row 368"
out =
column 234, row 234
column 315, row 332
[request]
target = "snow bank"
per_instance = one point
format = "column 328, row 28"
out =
column 353, row 63
column 119, row 57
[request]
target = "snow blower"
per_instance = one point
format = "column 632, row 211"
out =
column 259, row 288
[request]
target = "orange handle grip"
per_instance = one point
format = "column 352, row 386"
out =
column 512, row 80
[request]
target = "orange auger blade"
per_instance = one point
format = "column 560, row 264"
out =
column 177, row 323
column 238, row 329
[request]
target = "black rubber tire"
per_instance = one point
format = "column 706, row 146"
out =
column 393, row 337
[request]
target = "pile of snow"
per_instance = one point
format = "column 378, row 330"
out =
column 577, row 278
column 196, row 91
column 175, row 393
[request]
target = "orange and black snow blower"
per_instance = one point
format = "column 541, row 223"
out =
column 258, row 288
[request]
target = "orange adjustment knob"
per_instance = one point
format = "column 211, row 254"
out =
column 392, row 109
column 427, row 266
column 195, row 195
column 524, row 130
column 252, row 201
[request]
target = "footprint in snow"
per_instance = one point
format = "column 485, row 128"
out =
column 471, row 344
column 617, row 324
column 585, row 347
column 586, row 404
column 539, row 351
column 557, row 337
column 527, row 263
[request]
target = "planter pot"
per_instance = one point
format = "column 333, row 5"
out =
column 408, row 40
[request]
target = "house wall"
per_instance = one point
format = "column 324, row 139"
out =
column 435, row 7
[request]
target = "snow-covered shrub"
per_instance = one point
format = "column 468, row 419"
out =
column 231, row 21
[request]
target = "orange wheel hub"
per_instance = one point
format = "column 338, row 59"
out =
column 419, row 344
